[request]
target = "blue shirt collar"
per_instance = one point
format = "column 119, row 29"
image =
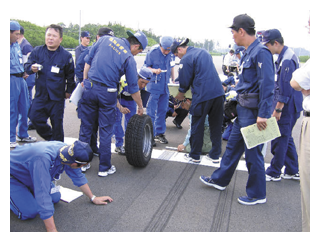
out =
column 281, row 55
column 252, row 46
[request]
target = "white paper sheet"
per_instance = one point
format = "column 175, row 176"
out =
column 253, row 136
column 68, row 195
column 76, row 94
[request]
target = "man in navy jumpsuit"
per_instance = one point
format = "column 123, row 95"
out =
column 161, row 63
column 256, row 76
column 107, row 61
column 33, row 170
column 19, row 102
column 79, row 74
column 287, row 105
column 197, row 71
column 85, row 41
column 54, row 83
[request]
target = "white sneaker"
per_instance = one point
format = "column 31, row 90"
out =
column 13, row 144
column 288, row 177
column 26, row 139
column 85, row 168
column 273, row 178
column 212, row 160
column 108, row 172
column 190, row 159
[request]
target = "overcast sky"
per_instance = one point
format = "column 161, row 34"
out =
column 197, row 19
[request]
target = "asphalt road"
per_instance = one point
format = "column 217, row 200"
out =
column 168, row 196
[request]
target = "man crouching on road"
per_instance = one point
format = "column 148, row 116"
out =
column 34, row 167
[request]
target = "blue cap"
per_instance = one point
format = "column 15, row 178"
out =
column 145, row 73
column 166, row 42
column 14, row 25
column 79, row 152
column 85, row 34
column 140, row 36
column 239, row 49
column 269, row 35
column 177, row 43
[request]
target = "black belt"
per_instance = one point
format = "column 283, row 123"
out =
column 127, row 98
column 98, row 83
column 110, row 89
column 306, row 113
column 17, row 74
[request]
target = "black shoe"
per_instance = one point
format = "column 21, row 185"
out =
column 176, row 124
column 161, row 138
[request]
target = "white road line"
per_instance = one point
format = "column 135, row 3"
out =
column 171, row 155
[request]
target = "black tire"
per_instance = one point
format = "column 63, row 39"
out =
column 139, row 140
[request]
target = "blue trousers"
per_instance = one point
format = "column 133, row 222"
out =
column 283, row 148
column 40, row 111
column 23, row 202
column 157, row 109
column 19, row 106
column 98, row 104
column 117, row 128
column 256, row 184
column 214, row 109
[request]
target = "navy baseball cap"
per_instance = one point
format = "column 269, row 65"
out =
column 145, row 73
column 140, row 36
column 79, row 152
column 85, row 34
column 242, row 21
column 105, row 31
column 177, row 43
column 14, row 25
column 268, row 35
column 239, row 49
column 166, row 42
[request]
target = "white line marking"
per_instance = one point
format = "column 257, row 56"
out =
column 171, row 155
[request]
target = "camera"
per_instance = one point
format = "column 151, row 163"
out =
column 38, row 66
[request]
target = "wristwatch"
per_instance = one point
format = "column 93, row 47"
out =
column 278, row 110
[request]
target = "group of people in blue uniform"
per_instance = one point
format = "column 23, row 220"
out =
column 99, row 68
column 270, row 97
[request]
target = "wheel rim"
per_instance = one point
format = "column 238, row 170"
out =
column 147, row 140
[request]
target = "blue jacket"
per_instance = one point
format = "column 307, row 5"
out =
column 16, row 65
column 198, row 72
column 79, row 49
column 26, row 48
column 257, row 76
column 155, row 59
column 81, row 63
column 36, row 166
column 230, row 81
column 109, row 59
column 286, row 64
column 50, row 84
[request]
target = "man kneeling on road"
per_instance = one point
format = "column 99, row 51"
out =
column 127, row 106
column 34, row 167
